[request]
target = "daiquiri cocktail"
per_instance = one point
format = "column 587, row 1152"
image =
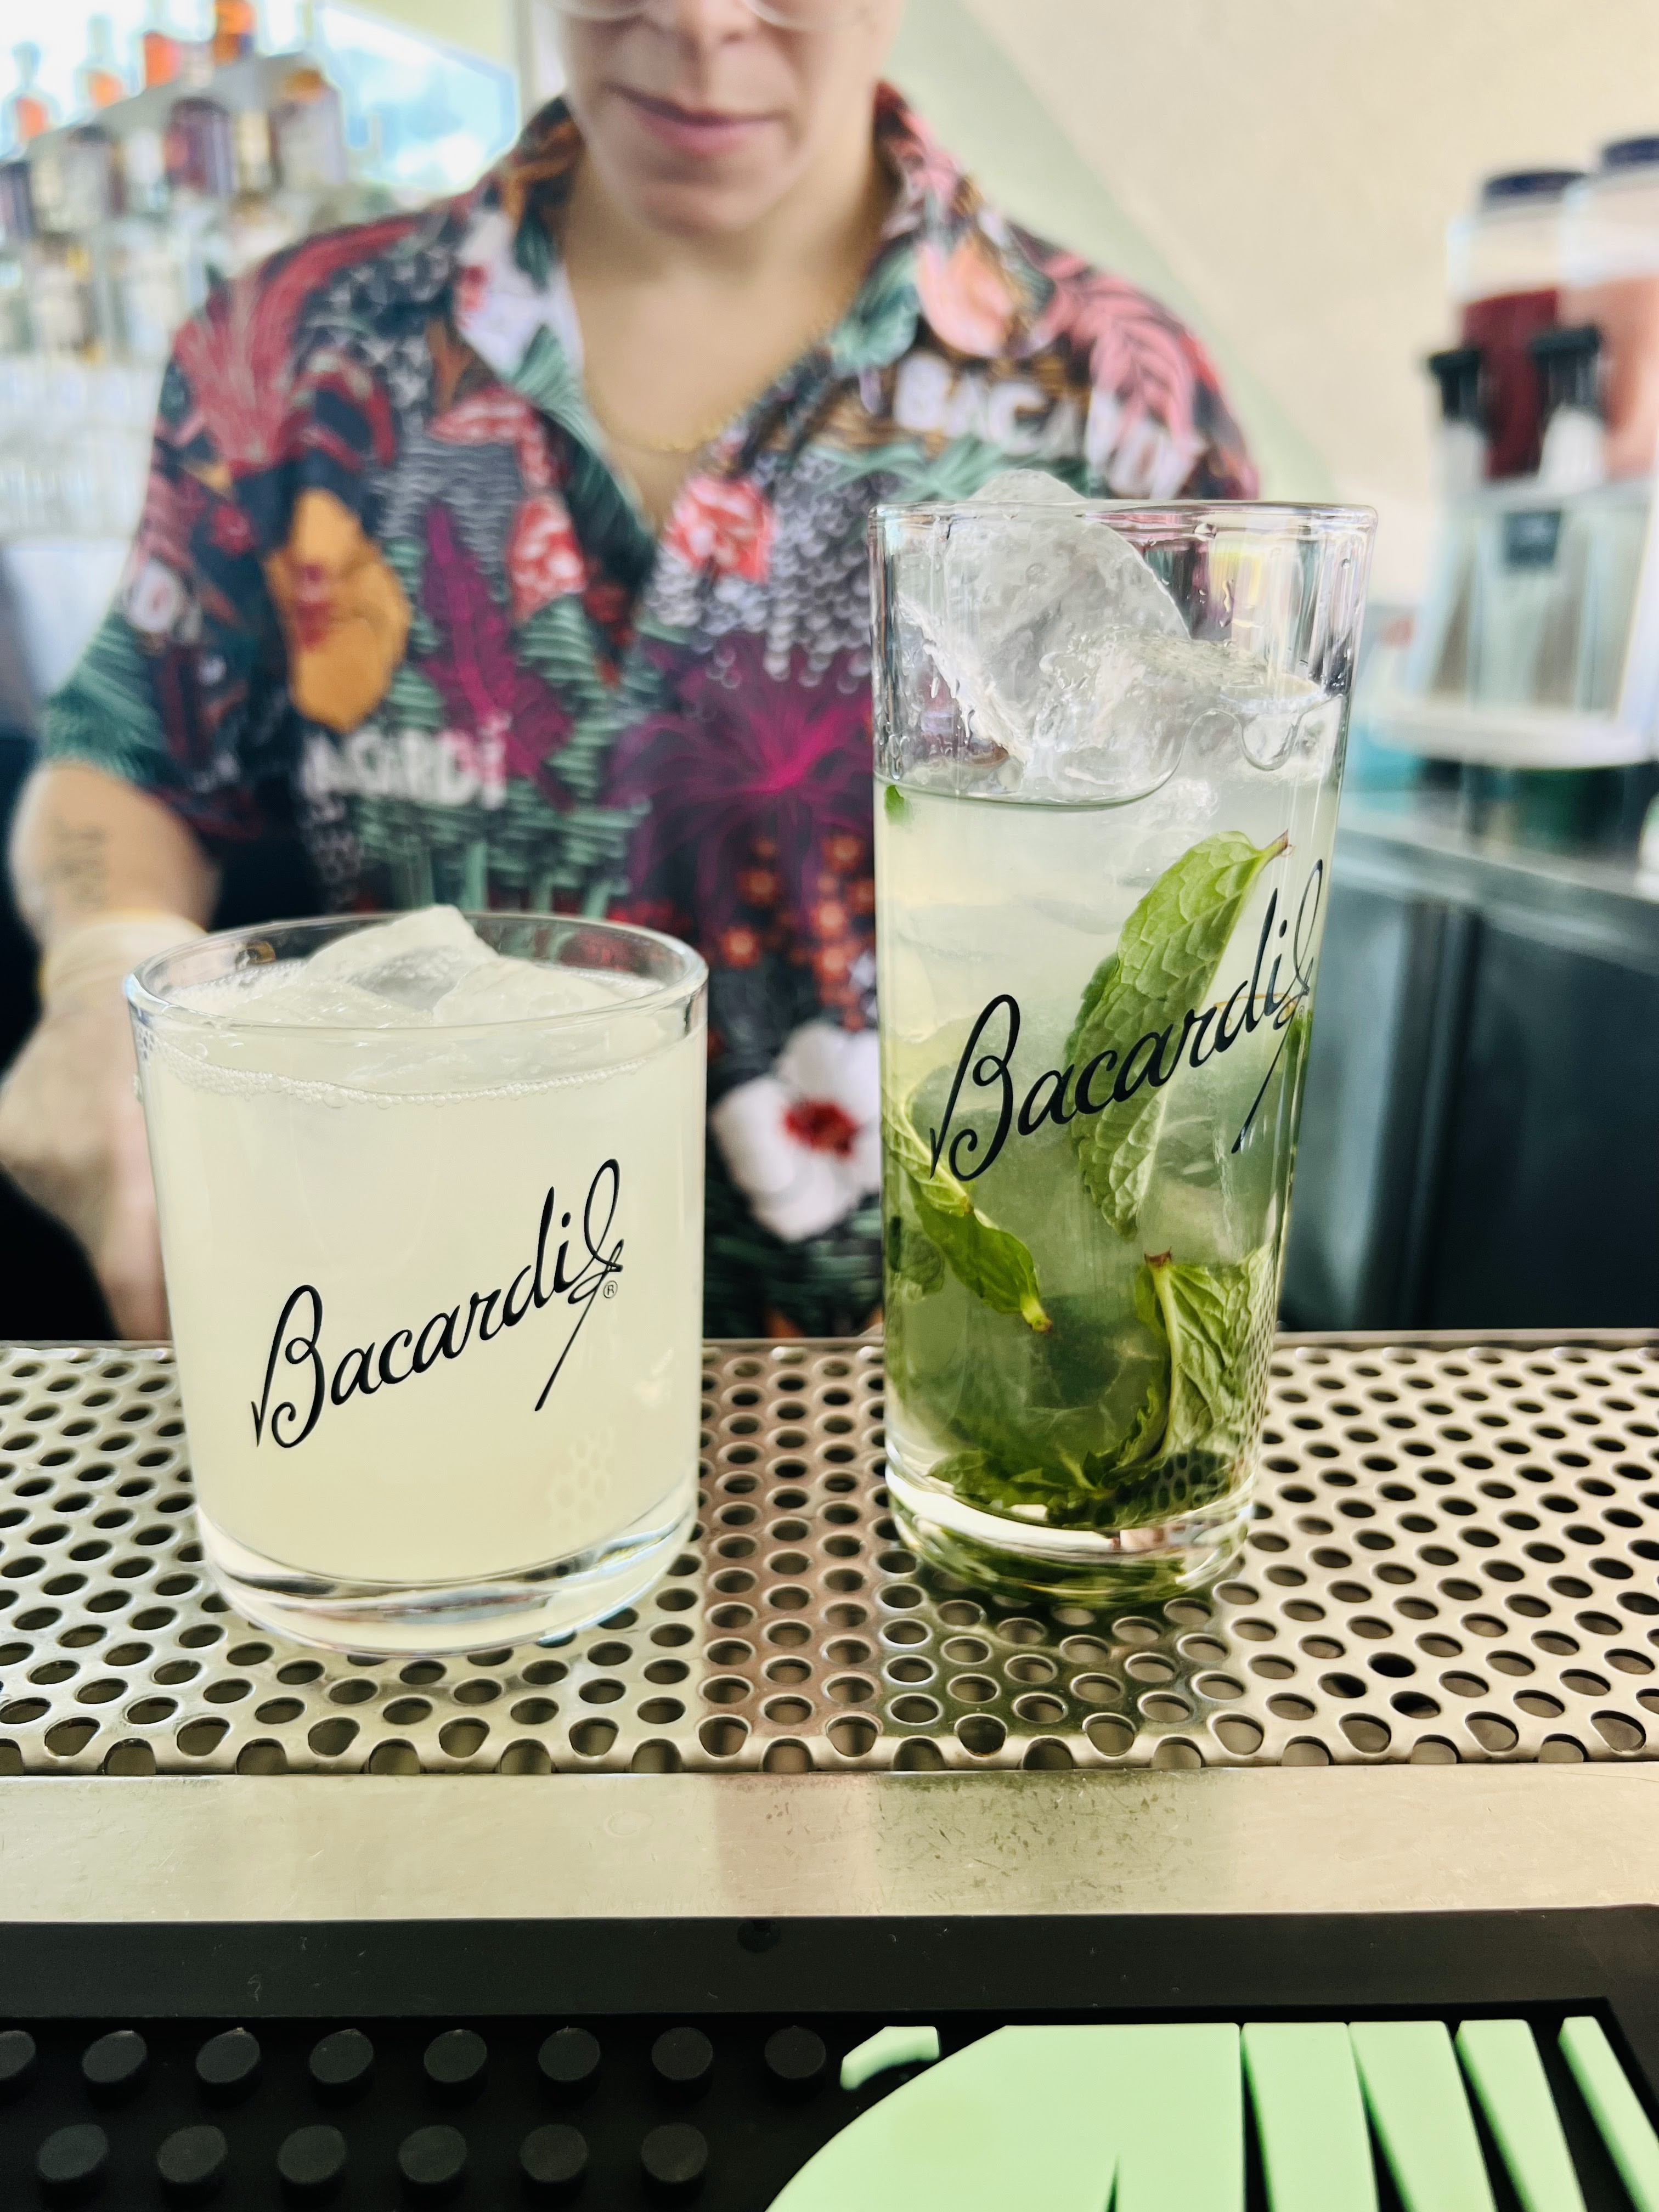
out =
column 431, row 1207
column 1110, row 744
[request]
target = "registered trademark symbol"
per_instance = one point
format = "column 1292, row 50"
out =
column 610, row 1288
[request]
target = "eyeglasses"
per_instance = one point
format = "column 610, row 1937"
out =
column 787, row 15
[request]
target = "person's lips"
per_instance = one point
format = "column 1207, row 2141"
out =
column 706, row 132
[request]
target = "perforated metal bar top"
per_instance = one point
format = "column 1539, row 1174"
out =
column 1454, row 1557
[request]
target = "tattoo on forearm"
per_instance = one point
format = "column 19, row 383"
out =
column 75, row 864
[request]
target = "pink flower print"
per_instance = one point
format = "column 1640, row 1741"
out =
column 927, row 172
column 804, row 1142
column 498, row 418
column 966, row 295
column 722, row 523
column 746, row 769
column 1141, row 436
column 544, row 560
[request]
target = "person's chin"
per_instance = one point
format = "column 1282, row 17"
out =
column 721, row 185
column 699, row 206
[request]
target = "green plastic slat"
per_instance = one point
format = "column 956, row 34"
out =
column 1309, row 2117
column 1614, row 2106
column 1415, row 2097
column 889, row 2047
column 1023, row 2115
column 1503, row 2064
column 1048, row 2116
column 1180, row 2098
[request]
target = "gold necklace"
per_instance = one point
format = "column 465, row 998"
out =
column 680, row 449
column 675, row 448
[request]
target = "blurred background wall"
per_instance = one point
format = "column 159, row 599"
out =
column 1285, row 175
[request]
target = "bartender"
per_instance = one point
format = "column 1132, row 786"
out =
column 512, row 553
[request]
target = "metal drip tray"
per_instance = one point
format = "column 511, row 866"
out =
column 1453, row 1558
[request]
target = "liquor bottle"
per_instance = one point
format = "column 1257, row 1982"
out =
column 85, row 202
column 28, row 112
column 148, row 257
column 58, row 267
column 159, row 45
column 307, row 131
column 201, row 172
column 235, row 26
column 58, row 280
column 258, row 220
column 99, row 82
column 16, row 231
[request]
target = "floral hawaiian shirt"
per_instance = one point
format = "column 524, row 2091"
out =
column 390, row 588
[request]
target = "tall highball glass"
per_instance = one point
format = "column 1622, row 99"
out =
column 1109, row 742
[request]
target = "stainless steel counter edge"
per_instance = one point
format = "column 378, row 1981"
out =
column 1281, row 1841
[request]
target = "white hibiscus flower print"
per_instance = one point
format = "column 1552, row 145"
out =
column 804, row 1142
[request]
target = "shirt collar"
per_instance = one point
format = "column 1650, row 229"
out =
column 944, row 259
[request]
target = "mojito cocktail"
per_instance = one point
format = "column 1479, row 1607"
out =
column 1110, row 744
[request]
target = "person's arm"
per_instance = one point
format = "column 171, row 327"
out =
column 144, row 774
column 105, row 876
column 86, row 845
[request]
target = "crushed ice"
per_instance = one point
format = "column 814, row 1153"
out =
column 429, row 968
column 1067, row 655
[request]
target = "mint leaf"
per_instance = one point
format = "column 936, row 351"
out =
column 1147, row 1430
column 895, row 804
column 1165, row 964
column 1178, row 1453
column 915, row 1262
column 1218, row 1323
column 1093, row 991
column 989, row 1262
column 1156, row 1491
column 1032, row 1494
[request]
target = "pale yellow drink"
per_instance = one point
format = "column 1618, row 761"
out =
column 435, row 1288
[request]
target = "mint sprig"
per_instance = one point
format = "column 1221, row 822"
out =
column 1164, row 966
column 1217, row 1323
column 990, row 1262
column 1214, row 1325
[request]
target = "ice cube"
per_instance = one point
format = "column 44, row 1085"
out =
column 522, row 990
column 302, row 1001
column 1070, row 662
column 1146, row 702
column 412, row 961
column 1014, row 615
column 1026, row 487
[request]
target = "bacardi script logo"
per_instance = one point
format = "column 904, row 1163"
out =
column 573, row 1279
column 1111, row 1078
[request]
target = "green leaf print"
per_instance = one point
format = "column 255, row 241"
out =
column 1145, row 994
column 881, row 323
column 989, row 1262
column 411, row 703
